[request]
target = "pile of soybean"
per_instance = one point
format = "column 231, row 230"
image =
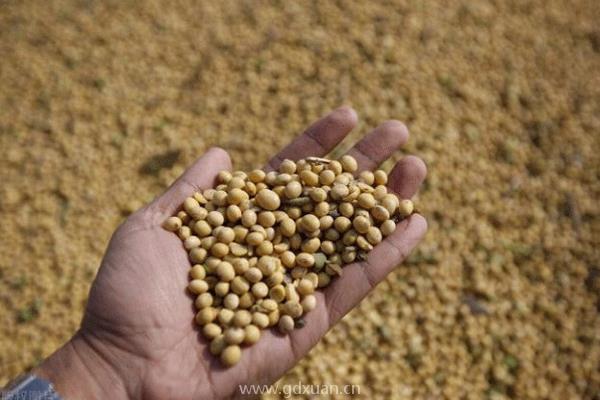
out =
column 261, row 243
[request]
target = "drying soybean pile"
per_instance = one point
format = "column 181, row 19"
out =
column 261, row 243
column 104, row 104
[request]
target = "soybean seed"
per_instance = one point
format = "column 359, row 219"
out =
column 349, row 163
column 236, row 196
column 339, row 191
column 268, row 199
column 321, row 209
column 260, row 319
column 219, row 250
column 309, row 178
column 255, row 238
column 253, row 274
column 251, row 334
column 380, row 213
column 311, row 245
column 363, row 243
column 211, row 330
column 318, row 194
column 342, row 224
column 225, row 271
column 198, row 272
column 326, row 177
column 320, row 260
column 198, row 254
column 390, row 202
column 380, row 177
column 239, row 285
column 240, row 233
column 225, row 235
column 277, row 293
column 249, row 218
column 366, row 201
column 293, row 189
column 274, row 317
column 220, row 198
column 204, row 300
column 266, row 219
column 305, row 287
column 225, row 316
column 237, row 182
column 367, row 177
column 241, row 318
column 231, row 301
column 269, row 305
column 309, row 223
column 324, row 280
column 275, row 279
column 198, row 286
column 184, row 232
column 240, row 265
column 217, row 345
column 231, row 355
column 405, row 208
column 287, row 227
column 260, row 290
column 305, row 260
column 224, row 176
column 346, row 209
column 202, row 228
column 387, row 227
column 215, row 218
column 297, row 273
column 348, row 256
column 172, row 224
column 265, row 248
column 308, row 303
column 256, row 176
column 335, row 166
column 208, row 242
column 191, row 242
column 374, row 235
column 221, row 289
column 287, row 167
column 286, row 324
column 313, row 277
column 292, row 308
column 246, row 300
column 288, row 259
column 234, row 335
column 206, row 315
column 237, row 249
column 325, row 222
column 361, row 224
column 190, row 204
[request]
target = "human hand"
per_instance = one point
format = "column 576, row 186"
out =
column 138, row 338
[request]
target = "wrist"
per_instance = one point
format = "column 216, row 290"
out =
column 78, row 370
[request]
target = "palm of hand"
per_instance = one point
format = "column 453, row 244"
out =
column 140, row 318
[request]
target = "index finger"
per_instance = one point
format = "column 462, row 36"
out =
column 319, row 139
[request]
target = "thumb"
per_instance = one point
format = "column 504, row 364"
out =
column 201, row 175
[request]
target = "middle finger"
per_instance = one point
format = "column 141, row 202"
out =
column 379, row 144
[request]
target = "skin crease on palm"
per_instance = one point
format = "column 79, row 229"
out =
column 138, row 338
